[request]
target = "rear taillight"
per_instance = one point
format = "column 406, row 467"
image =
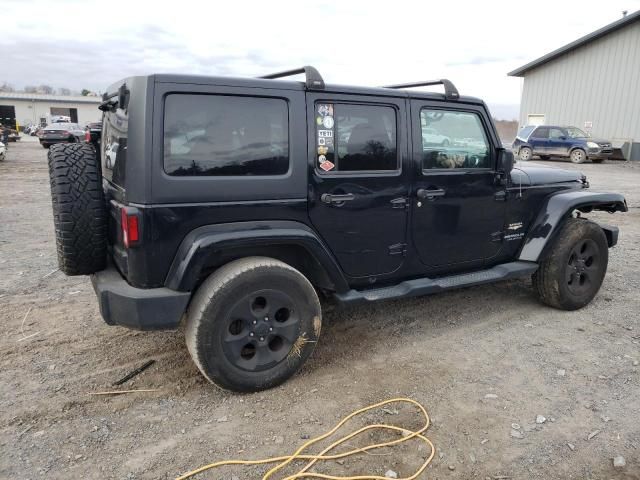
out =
column 87, row 136
column 130, row 228
column 65, row 133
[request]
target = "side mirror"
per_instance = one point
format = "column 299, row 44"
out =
column 562, row 137
column 505, row 161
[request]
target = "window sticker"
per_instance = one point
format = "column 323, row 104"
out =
column 327, row 166
column 325, row 124
column 325, row 109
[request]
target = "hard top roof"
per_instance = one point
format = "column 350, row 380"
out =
column 295, row 85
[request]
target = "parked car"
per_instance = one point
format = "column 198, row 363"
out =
column 548, row 141
column 3, row 151
column 61, row 132
column 432, row 137
column 92, row 132
column 232, row 205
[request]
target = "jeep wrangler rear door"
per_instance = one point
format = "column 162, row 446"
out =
column 458, row 207
column 358, row 189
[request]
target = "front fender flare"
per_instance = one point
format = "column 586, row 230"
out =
column 556, row 208
column 201, row 246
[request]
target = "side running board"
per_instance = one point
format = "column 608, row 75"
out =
column 424, row 286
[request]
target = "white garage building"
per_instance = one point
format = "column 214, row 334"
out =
column 33, row 108
column 592, row 83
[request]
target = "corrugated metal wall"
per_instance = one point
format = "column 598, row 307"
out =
column 598, row 82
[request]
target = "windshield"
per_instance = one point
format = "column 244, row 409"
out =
column 574, row 132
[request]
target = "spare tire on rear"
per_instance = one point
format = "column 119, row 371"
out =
column 79, row 211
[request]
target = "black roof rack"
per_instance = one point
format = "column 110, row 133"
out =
column 450, row 90
column 313, row 78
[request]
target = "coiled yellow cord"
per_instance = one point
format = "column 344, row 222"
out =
column 313, row 459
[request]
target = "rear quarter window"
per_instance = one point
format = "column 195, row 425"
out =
column 114, row 145
column 225, row 135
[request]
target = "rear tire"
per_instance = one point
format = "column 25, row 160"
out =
column 572, row 272
column 578, row 155
column 525, row 154
column 79, row 211
column 252, row 324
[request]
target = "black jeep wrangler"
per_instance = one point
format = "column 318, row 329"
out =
column 236, row 203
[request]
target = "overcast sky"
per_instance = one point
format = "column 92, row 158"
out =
column 90, row 44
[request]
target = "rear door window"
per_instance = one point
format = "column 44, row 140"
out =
column 351, row 138
column 225, row 135
column 541, row 133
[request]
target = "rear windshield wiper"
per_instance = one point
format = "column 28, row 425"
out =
column 108, row 105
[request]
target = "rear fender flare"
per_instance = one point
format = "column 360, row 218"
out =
column 208, row 247
column 556, row 209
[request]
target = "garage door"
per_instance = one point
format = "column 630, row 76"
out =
column 535, row 119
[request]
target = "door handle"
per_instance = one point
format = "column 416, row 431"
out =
column 333, row 199
column 430, row 194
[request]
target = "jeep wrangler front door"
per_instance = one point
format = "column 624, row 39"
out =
column 358, row 190
column 458, row 207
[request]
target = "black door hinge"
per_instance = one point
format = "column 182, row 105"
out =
column 398, row 249
column 497, row 236
column 400, row 202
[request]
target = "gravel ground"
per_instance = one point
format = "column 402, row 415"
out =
column 481, row 360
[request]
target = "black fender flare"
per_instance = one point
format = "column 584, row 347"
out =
column 555, row 210
column 206, row 246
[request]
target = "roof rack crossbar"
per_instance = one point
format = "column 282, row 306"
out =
column 313, row 78
column 450, row 90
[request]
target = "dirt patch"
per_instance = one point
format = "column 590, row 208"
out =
column 480, row 360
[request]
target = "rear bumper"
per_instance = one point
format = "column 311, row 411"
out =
column 138, row 308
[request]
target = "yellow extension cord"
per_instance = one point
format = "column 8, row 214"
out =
column 312, row 459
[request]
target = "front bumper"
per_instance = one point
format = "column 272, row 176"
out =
column 138, row 308
column 599, row 153
column 611, row 232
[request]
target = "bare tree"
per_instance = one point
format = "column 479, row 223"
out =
column 6, row 87
column 30, row 89
column 45, row 89
column 64, row 91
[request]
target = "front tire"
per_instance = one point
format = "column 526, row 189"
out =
column 578, row 156
column 525, row 154
column 572, row 272
column 252, row 324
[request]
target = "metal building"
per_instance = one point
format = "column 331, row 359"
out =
column 34, row 108
column 592, row 83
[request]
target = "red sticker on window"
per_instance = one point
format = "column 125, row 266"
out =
column 326, row 166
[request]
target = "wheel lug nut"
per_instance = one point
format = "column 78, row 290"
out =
column 255, row 321
column 262, row 339
column 270, row 329
column 266, row 319
column 251, row 334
